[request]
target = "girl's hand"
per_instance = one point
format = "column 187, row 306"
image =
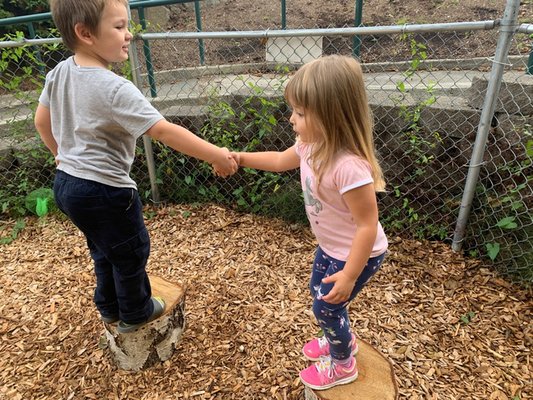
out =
column 342, row 287
column 237, row 157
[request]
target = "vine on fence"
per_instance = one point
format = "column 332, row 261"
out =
column 510, row 219
column 404, row 214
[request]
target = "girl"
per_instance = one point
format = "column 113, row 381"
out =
column 339, row 175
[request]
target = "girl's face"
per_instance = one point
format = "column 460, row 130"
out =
column 113, row 38
column 300, row 126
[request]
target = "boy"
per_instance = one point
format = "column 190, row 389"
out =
column 90, row 119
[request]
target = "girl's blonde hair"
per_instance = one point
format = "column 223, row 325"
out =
column 67, row 13
column 332, row 94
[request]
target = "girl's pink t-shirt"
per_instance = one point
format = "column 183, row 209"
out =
column 329, row 216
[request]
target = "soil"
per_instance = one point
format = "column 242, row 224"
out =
column 231, row 15
column 242, row 15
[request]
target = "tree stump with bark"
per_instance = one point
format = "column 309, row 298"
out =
column 156, row 341
column 376, row 380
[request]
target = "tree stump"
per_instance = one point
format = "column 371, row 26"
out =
column 156, row 341
column 376, row 380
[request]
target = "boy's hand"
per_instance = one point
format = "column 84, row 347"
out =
column 225, row 166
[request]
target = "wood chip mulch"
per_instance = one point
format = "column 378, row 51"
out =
column 452, row 328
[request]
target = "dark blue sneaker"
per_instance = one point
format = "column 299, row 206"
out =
column 159, row 307
column 109, row 319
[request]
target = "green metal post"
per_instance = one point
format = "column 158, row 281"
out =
column 199, row 29
column 283, row 14
column 358, row 22
column 529, row 70
column 37, row 52
column 148, row 55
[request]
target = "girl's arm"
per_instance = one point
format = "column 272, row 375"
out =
column 184, row 141
column 364, row 209
column 43, row 124
column 274, row 161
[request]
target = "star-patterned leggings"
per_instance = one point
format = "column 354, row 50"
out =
column 333, row 318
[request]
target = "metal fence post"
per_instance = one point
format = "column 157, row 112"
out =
column 358, row 22
column 201, row 47
column 148, row 55
column 283, row 14
column 529, row 69
column 147, row 142
column 31, row 31
column 508, row 27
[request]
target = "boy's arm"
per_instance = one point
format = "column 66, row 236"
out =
column 43, row 125
column 274, row 161
column 184, row 141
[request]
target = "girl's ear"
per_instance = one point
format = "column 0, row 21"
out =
column 83, row 34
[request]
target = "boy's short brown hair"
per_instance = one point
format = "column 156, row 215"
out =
column 67, row 13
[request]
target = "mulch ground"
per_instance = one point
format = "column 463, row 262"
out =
column 451, row 328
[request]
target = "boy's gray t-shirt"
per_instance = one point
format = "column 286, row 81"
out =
column 97, row 117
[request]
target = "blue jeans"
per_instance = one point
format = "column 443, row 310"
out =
column 333, row 318
column 112, row 221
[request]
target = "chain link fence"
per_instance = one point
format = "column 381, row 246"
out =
column 228, row 88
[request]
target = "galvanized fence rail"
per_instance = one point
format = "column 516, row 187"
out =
column 440, row 123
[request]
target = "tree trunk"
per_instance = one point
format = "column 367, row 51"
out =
column 376, row 380
column 156, row 341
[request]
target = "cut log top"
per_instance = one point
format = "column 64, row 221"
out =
column 171, row 293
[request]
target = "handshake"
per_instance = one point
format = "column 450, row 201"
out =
column 226, row 163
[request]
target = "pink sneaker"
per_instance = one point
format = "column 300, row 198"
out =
column 319, row 347
column 325, row 374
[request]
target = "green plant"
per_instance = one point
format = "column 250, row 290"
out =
column 468, row 317
column 12, row 8
column 502, row 213
column 250, row 125
column 18, row 66
column 404, row 215
column 19, row 226
column 408, row 212
column 254, row 192
column 512, row 202
column 247, row 127
column 419, row 144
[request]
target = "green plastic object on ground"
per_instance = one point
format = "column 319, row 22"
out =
column 40, row 201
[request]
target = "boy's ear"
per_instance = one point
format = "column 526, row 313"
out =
column 83, row 34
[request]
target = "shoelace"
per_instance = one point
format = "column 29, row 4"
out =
column 322, row 342
column 325, row 364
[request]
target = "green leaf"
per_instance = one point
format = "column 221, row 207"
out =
column 468, row 317
column 493, row 249
column 400, row 86
column 507, row 223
